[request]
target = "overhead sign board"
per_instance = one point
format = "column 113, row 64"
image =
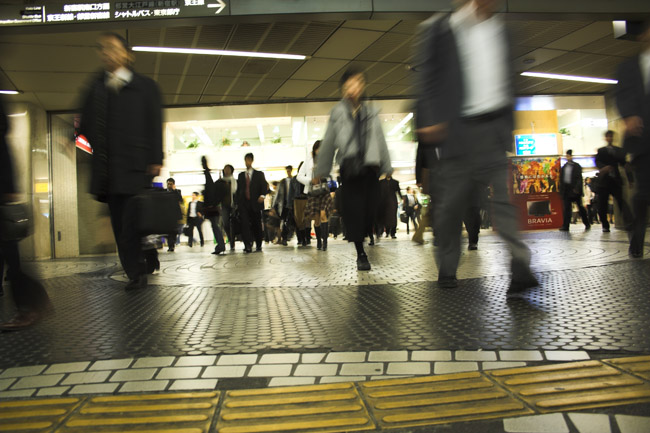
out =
column 536, row 144
column 59, row 12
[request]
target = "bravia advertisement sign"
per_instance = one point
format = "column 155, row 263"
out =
column 535, row 190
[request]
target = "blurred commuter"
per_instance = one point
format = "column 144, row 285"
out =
column 633, row 101
column 171, row 237
column 283, row 205
column 29, row 295
column 465, row 120
column 195, row 210
column 472, row 216
column 590, row 198
column 251, row 191
column 297, row 191
column 610, row 182
column 214, row 194
column 389, row 194
column 410, row 206
column 228, row 203
column 355, row 134
column 319, row 208
column 571, row 190
column 122, row 119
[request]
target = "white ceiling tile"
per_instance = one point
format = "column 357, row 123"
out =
column 347, row 43
column 296, row 89
column 319, row 69
column 584, row 36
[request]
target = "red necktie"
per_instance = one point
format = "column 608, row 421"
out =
column 248, row 187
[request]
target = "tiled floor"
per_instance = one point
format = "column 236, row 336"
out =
column 291, row 316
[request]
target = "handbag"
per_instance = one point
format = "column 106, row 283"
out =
column 319, row 189
column 403, row 217
column 15, row 222
column 157, row 211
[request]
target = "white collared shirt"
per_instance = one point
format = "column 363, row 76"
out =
column 193, row 213
column 119, row 78
column 483, row 54
column 644, row 63
column 568, row 169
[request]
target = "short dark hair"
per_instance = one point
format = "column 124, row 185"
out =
column 232, row 169
column 195, row 192
column 171, row 179
column 349, row 73
column 249, row 155
column 289, row 167
column 315, row 148
column 569, row 152
column 609, row 132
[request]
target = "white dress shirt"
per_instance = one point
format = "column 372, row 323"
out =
column 483, row 54
column 193, row 213
column 119, row 78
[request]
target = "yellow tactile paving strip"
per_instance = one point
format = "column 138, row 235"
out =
column 322, row 408
column 159, row 413
column 385, row 404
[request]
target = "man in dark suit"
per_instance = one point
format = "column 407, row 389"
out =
column 610, row 181
column 195, row 218
column 389, row 193
column 633, row 101
column 171, row 237
column 464, row 118
column 572, row 191
column 122, row 119
column 283, row 205
column 251, row 190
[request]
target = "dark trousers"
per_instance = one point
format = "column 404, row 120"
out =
column 124, row 219
column 410, row 214
column 287, row 223
column 472, row 220
column 171, row 240
column 225, row 220
column 218, row 234
column 641, row 201
column 251, row 224
column 567, row 210
column 195, row 222
column 616, row 191
column 28, row 293
column 360, row 196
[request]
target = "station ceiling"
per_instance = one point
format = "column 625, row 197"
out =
column 51, row 68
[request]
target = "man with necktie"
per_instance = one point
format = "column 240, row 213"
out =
column 251, row 191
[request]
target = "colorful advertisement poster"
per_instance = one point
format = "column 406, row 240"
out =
column 535, row 189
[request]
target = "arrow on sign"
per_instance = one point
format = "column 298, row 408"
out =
column 220, row 5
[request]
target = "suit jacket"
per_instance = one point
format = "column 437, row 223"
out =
column 200, row 208
column 281, row 199
column 574, row 187
column 6, row 168
column 125, row 131
column 439, row 83
column 633, row 99
column 258, row 187
column 610, row 156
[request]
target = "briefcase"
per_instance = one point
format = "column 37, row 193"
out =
column 15, row 222
column 158, row 212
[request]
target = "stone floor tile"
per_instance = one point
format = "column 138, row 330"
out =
column 68, row 367
column 133, row 374
column 193, row 361
column 144, row 386
column 341, row 357
column 224, row 371
column 384, row 377
column 38, row 381
column 179, row 373
column 157, row 361
column 566, row 355
column 312, row 358
column 88, row 377
column 270, row 370
column 195, row 384
column 291, row 381
column 520, row 355
column 339, row 379
column 409, row 368
column 237, row 360
column 552, row 423
column 591, row 422
column 6, row 383
column 474, row 355
column 280, row 358
column 316, row 370
column 95, row 388
column 495, row 365
column 22, row 371
column 388, row 356
column 431, row 355
column 53, row 391
column 17, row 393
column 362, row 369
column 111, row 364
column 633, row 424
column 454, row 367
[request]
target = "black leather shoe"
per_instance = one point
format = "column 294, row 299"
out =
column 137, row 283
column 248, row 250
column 447, row 282
column 362, row 263
column 519, row 286
column 472, row 247
column 605, row 230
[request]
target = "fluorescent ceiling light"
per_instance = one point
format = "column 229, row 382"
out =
column 401, row 124
column 219, row 53
column 9, row 92
column 260, row 133
column 569, row 77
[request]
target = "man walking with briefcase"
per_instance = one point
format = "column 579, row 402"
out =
column 122, row 120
